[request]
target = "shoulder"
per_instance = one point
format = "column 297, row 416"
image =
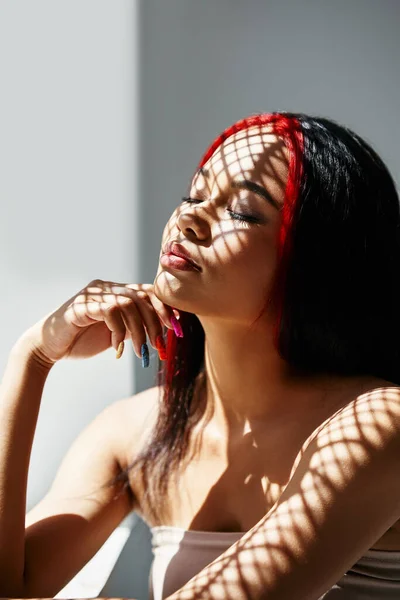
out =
column 368, row 402
column 130, row 422
column 342, row 497
column 377, row 400
column 368, row 394
column 372, row 416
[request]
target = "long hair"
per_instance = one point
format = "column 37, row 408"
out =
column 335, row 289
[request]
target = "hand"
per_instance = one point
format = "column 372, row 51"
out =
column 101, row 315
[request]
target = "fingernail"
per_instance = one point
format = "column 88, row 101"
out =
column 144, row 351
column 177, row 327
column 160, row 345
column 120, row 350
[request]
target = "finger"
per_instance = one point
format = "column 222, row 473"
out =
column 99, row 290
column 139, row 318
column 163, row 311
column 125, row 318
column 133, row 321
column 161, row 314
column 150, row 319
column 83, row 314
column 115, row 323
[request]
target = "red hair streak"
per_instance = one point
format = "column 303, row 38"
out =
column 289, row 129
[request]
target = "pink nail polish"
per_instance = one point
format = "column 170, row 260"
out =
column 177, row 327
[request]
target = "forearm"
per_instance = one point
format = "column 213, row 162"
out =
column 20, row 396
column 233, row 575
column 251, row 569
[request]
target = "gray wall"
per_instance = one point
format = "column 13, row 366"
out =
column 206, row 64
column 69, row 199
column 67, row 189
column 73, row 112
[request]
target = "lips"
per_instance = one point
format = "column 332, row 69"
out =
column 173, row 247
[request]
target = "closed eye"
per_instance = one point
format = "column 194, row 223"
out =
column 234, row 215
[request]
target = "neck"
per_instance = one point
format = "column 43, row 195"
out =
column 247, row 383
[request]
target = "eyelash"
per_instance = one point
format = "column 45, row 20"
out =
column 247, row 219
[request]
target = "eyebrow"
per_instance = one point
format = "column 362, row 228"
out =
column 248, row 185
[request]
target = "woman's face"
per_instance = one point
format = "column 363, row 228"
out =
column 246, row 175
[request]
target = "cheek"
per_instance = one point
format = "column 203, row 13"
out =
column 261, row 266
column 167, row 232
column 255, row 255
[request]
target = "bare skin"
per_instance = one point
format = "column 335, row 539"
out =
column 260, row 411
column 230, row 484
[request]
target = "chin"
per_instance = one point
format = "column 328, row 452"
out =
column 166, row 290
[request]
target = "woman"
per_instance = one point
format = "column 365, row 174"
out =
column 273, row 454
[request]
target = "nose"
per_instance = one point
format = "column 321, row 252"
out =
column 193, row 221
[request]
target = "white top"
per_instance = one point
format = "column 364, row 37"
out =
column 179, row 554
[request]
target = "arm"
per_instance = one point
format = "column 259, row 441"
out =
column 20, row 395
column 77, row 515
column 343, row 495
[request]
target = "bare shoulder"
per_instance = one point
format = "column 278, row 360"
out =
column 133, row 419
column 380, row 386
column 363, row 392
column 364, row 400
column 81, row 509
column 374, row 394
column 377, row 407
column 368, row 422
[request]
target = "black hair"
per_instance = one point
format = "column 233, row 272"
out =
column 338, row 291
